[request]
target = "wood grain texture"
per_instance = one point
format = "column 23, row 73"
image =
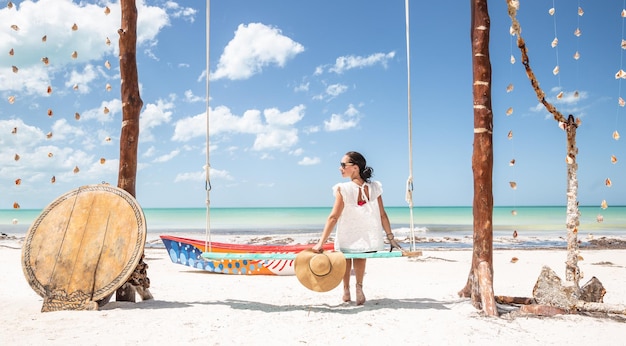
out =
column 84, row 244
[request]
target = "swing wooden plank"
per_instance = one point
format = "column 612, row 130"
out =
column 289, row 256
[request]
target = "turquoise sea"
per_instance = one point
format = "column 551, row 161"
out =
column 427, row 221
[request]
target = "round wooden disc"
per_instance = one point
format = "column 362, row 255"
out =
column 87, row 242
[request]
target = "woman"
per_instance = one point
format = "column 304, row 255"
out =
column 360, row 218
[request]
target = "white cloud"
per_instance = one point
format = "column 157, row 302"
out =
column 54, row 20
column 167, row 157
column 307, row 161
column 255, row 46
column 190, row 97
column 201, row 176
column 345, row 63
column 349, row 119
column 153, row 116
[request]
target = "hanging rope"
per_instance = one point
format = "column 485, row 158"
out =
column 409, row 182
column 207, row 167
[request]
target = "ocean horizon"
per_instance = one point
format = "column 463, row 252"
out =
column 434, row 221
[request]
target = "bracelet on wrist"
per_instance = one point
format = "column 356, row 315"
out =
column 390, row 236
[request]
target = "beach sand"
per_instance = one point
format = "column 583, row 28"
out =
column 409, row 301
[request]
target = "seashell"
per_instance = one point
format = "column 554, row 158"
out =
column 623, row 44
column 509, row 111
column 45, row 60
column 560, row 95
column 16, row 205
column 44, row 38
column 107, row 10
column 106, row 110
column 556, row 70
column 14, row 131
column 107, row 64
column 15, row 69
column 613, row 159
column 49, row 91
column 578, row 122
column 620, row 74
column 512, row 60
column 509, row 88
column 510, row 135
column 107, row 139
column 616, row 135
column 75, row 87
column 514, row 259
column 50, row 154
column 608, row 182
column 74, row 27
column 604, row 205
column 569, row 160
column 577, row 32
column 76, row 170
column 576, row 94
column 108, row 42
column 514, row 212
column 576, row 55
column 580, row 11
column 74, row 54
column 102, row 160
column 599, row 219
column 14, row 221
column 16, row 157
column 49, row 135
column 77, row 116
column 511, row 30
column 108, row 87
column 551, row 11
column 11, row 99
column 15, row 27
column 621, row 102
column 514, row 233
column 53, row 179
column 555, row 42
column 49, row 112
column 581, row 258
column 513, row 185
column 623, row 13
column 18, row 181
column 9, row 5
column 512, row 162
column 11, row 52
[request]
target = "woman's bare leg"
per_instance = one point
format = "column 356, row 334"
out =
column 346, row 281
column 359, row 273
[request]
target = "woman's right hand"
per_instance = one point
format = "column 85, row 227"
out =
column 317, row 247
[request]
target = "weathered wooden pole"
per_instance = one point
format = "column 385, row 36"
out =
column 479, row 285
column 572, row 272
column 570, row 125
column 129, row 136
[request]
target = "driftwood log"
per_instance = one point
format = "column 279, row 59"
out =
column 552, row 297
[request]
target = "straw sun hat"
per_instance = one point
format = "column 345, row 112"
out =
column 320, row 272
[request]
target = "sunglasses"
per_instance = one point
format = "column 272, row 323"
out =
column 344, row 164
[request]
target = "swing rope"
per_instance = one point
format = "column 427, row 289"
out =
column 409, row 182
column 207, row 166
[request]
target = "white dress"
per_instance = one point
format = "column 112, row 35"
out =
column 359, row 228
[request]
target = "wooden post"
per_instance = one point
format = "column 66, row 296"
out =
column 480, row 281
column 572, row 272
column 129, row 136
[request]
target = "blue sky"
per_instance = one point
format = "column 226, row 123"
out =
column 296, row 84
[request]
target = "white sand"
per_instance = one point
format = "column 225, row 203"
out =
column 408, row 302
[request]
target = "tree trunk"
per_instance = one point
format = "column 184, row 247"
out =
column 480, row 281
column 129, row 136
